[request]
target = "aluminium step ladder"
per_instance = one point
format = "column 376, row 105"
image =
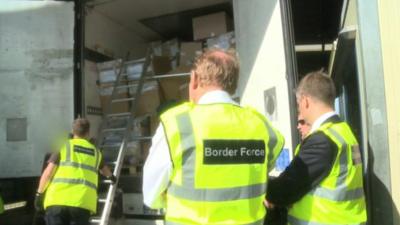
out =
column 116, row 131
column 107, row 140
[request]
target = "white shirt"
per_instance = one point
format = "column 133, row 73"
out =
column 157, row 169
column 318, row 122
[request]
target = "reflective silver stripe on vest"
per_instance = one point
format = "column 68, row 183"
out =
column 74, row 181
column 259, row 222
column 188, row 145
column 294, row 221
column 68, row 152
column 343, row 160
column 340, row 193
column 79, row 165
column 188, row 190
column 215, row 195
column 97, row 152
column 272, row 142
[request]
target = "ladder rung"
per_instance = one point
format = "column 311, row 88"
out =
column 102, row 200
column 112, row 163
column 127, row 86
column 95, row 220
column 106, row 181
column 111, row 145
column 119, row 114
column 122, row 100
column 114, row 129
column 141, row 138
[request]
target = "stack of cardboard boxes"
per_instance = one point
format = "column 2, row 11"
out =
column 170, row 57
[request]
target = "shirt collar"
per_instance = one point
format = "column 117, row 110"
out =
column 317, row 123
column 217, row 96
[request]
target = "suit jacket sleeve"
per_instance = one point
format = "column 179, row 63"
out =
column 312, row 164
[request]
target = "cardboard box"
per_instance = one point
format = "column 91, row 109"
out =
column 105, row 90
column 161, row 65
column 189, row 52
column 211, row 25
column 149, row 99
column 184, row 92
column 223, row 41
column 170, row 87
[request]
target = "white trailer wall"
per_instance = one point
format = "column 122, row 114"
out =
column 260, row 44
column 36, row 78
column 106, row 36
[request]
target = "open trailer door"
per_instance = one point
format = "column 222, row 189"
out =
column 268, row 69
column 37, row 82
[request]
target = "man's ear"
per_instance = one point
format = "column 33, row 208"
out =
column 194, row 80
column 307, row 102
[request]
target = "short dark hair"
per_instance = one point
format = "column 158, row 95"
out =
column 81, row 127
column 218, row 67
column 319, row 86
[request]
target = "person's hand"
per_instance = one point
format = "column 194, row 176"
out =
column 112, row 178
column 268, row 204
column 39, row 202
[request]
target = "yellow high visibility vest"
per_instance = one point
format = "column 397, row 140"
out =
column 1, row 205
column 221, row 154
column 75, row 181
column 339, row 198
column 297, row 150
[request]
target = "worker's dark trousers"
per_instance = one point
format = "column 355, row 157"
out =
column 65, row 215
column 276, row 216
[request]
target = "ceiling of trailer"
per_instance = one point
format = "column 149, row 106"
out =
column 131, row 13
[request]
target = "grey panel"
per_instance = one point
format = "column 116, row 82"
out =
column 373, row 90
column 36, row 78
column 16, row 129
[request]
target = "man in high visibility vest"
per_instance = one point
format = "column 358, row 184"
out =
column 70, row 180
column 209, row 158
column 324, row 182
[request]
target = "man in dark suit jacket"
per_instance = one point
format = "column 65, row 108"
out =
column 314, row 169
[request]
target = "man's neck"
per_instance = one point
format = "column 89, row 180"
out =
column 206, row 90
column 79, row 137
column 317, row 111
column 319, row 117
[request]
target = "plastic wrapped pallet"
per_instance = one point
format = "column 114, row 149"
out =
column 108, row 71
column 171, row 49
column 223, row 41
column 134, row 68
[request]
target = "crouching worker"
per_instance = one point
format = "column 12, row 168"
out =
column 70, row 180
